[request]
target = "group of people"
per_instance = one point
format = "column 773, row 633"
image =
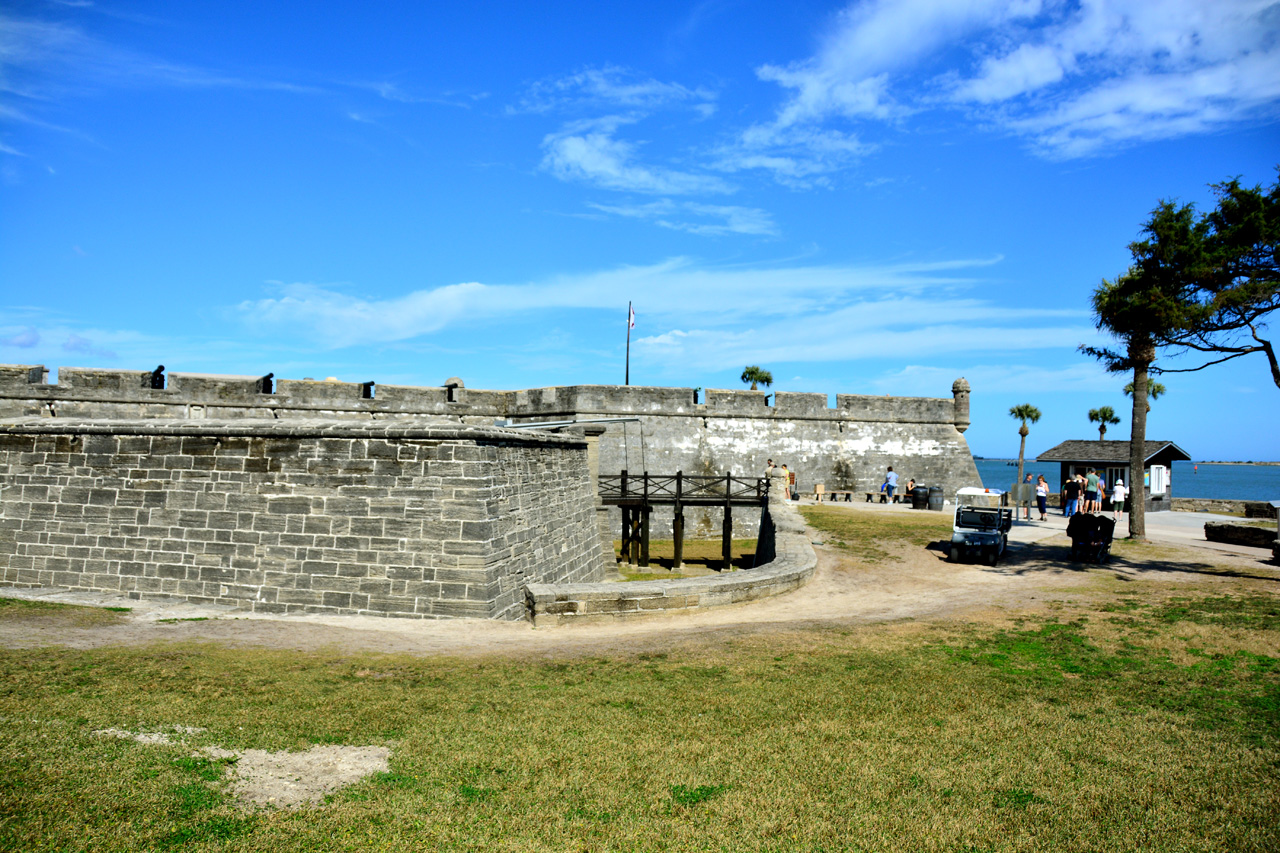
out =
column 793, row 491
column 889, row 487
column 1085, row 493
column 1080, row 493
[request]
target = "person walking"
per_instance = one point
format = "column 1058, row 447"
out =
column 1042, row 496
column 891, row 483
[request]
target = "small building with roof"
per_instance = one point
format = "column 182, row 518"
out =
column 1111, row 460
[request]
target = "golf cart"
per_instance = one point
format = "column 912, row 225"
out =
column 980, row 530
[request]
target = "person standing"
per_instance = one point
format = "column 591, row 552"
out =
column 1118, row 494
column 1042, row 497
column 891, row 483
column 1070, row 497
column 1091, row 492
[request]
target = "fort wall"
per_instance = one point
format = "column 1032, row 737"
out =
column 847, row 446
column 409, row 518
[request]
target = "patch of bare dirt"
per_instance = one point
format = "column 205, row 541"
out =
column 285, row 780
column 295, row 779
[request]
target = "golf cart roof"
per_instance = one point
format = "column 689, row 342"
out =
column 975, row 490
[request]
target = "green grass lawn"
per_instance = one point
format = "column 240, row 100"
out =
column 1146, row 724
column 866, row 535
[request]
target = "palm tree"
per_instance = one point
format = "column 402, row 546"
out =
column 1154, row 390
column 756, row 377
column 1104, row 417
column 1025, row 412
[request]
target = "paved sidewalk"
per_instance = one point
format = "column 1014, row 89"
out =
column 1181, row 528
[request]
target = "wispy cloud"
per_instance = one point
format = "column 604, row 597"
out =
column 710, row 220
column 23, row 339
column 589, row 151
column 706, row 314
column 85, row 346
column 391, row 91
column 1074, row 79
column 996, row 378
column 610, row 88
column 933, row 324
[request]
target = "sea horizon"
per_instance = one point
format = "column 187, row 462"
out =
column 1248, row 481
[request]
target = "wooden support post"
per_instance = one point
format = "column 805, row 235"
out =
column 625, row 556
column 626, row 518
column 677, row 524
column 645, row 512
column 636, row 513
column 726, row 534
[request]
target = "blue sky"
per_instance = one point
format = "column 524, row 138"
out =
column 875, row 197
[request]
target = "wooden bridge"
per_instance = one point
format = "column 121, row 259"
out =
column 638, row 495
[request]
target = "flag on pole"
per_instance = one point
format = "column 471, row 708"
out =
column 631, row 320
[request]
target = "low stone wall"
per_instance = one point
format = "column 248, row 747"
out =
column 1240, row 534
column 392, row 518
column 783, row 541
column 1250, row 509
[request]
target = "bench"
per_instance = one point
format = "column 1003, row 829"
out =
column 848, row 496
column 898, row 497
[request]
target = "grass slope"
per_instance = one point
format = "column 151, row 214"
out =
column 1149, row 724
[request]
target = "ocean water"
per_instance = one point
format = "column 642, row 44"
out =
column 1190, row 480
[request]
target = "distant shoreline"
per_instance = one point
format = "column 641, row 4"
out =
column 1199, row 462
column 1214, row 462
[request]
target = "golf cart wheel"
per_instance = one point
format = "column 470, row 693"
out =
column 955, row 554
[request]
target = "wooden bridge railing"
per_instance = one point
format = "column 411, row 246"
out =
column 637, row 495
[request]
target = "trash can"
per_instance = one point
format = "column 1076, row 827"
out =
column 920, row 497
column 935, row 498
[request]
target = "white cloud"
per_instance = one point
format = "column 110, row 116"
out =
column 1074, row 78
column 797, row 156
column 41, row 61
column 23, row 339
column 922, row 326
column 610, row 88
column 80, row 344
column 589, row 151
column 999, row 378
column 817, row 313
column 693, row 217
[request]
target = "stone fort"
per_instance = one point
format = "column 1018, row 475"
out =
column 326, row 496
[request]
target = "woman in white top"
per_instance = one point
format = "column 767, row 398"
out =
column 1118, row 495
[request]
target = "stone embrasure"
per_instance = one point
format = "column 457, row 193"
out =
column 400, row 517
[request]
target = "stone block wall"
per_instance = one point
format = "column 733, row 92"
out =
column 405, row 518
column 845, row 446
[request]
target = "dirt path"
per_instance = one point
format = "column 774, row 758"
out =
column 917, row 584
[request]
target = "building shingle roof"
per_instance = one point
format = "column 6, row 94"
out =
column 1105, row 451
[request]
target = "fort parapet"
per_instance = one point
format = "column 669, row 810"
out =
column 847, row 446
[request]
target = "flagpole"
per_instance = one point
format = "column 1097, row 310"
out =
column 629, row 315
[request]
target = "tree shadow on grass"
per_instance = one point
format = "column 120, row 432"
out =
column 1042, row 558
